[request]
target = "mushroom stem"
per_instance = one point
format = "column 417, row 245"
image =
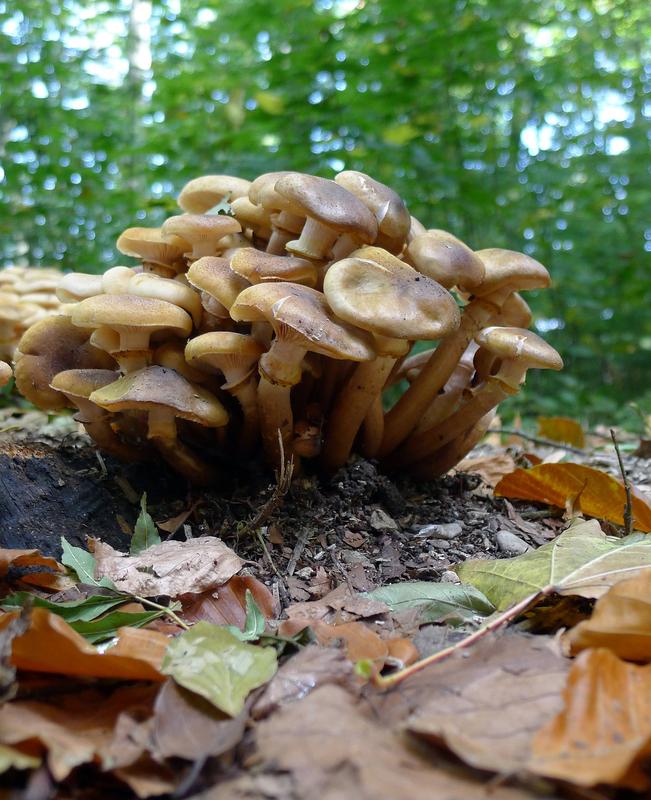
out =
column 405, row 414
column 183, row 460
column 373, row 429
column 100, row 431
column 350, row 408
column 161, row 425
column 446, row 457
column 277, row 241
column 246, row 394
column 315, row 240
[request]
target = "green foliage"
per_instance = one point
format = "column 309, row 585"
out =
column 145, row 533
column 521, row 125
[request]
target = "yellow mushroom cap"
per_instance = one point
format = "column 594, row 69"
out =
column 508, row 270
column 519, row 344
column 120, row 311
column 260, row 267
column 201, row 194
column 441, row 256
column 149, row 244
column 214, row 275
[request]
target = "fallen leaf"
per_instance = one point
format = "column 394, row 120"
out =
column 73, row 729
column 603, row 733
column 170, row 568
column 186, row 725
column 561, row 429
column 8, row 634
column 210, row 661
column 226, row 605
column 26, row 558
column 10, row 758
column 436, row 601
column 48, row 580
column 254, row 623
column 51, row 645
column 620, row 622
column 490, row 468
column 337, row 606
column 311, row 667
column 72, row 611
column 362, row 643
column 581, row 561
column 501, row 692
column 145, row 534
column 590, row 490
column 99, row 630
column 83, row 565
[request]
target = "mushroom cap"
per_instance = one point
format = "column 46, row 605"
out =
column 171, row 354
column 6, row 373
column 75, row 286
column 260, row 267
column 116, row 280
column 222, row 343
column 50, row 346
column 328, row 203
column 519, row 344
column 381, row 294
column 508, row 269
column 130, row 311
column 416, row 228
column 81, row 383
column 302, row 315
column 201, row 227
column 262, row 191
column 515, row 312
column 441, row 256
column 389, row 209
column 149, row 244
column 201, row 194
column 251, row 216
column 146, row 284
column 214, row 275
column 154, row 388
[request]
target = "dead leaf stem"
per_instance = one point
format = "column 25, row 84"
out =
column 628, row 508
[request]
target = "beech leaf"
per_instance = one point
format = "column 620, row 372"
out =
column 144, row 533
column 581, row 561
column 72, row 610
column 254, row 624
column 436, row 601
column 210, row 661
column 26, row 558
column 592, row 491
column 99, row 630
column 83, row 564
column 561, row 429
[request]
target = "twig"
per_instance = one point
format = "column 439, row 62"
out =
column 492, row 625
column 168, row 611
column 628, row 508
column 537, row 440
column 283, row 482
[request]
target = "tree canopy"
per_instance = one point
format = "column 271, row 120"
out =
column 512, row 124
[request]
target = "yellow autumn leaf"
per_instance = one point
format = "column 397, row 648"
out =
column 561, row 429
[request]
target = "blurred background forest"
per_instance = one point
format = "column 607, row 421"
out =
column 512, row 124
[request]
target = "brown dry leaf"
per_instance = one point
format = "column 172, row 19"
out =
column 327, row 745
column 487, row 707
column 361, row 642
column 169, row 568
column 51, row 645
column 148, row 778
column 490, row 468
column 26, row 558
column 337, row 606
column 593, row 491
column 187, row 726
column 75, row 728
column 172, row 524
column 226, row 605
column 49, row 581
column 620, row 622
column 561, row 429
column 311, row 667
column 603, row 733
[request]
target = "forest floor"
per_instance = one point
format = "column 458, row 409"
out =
column 316, row 730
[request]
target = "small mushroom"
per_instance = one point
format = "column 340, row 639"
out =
column 330, row 211
column 518, row 350
column 441, row 256
column 172, row 291
column 505, row 272
column 377, row 292
column 253, row 219
column 213, row 276
column 135, row 320
column 389, row 209
column 302, row 322
column 6, row 373
column 201, row 194
column 204, row 232
column 259, row 267
column 158, row 253
column 236, row 356
column 166, row 396
column 47, row 348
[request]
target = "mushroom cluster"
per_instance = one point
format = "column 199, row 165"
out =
column 272, row 315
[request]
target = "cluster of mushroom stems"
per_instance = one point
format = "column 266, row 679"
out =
column 272, row 316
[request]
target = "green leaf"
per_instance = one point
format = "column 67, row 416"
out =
column 10, row 758
column 83, row 564
column 72, row 610
column 210, row 661
column 581, row 561
column 99, row 630
column 145, row 534
column 435, row 600
column 253, row 625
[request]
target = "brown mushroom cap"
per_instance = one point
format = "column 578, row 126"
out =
column 214, row 275
column 259, row 267
column 509, row 271
column 515, row 312
column 79, row 384
column 155, row 388
column 151, row 246
column 262, row 191
column 201, row 194
column 326, row 202
column 251, row 216
column 393, row 218
column 201, row 228
column 172, row 291
column 6, row 373
column 521, row 345
column 224, row 351
column 51, row 346
column 302, row 315
column 381, row 294
column 441, row 256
